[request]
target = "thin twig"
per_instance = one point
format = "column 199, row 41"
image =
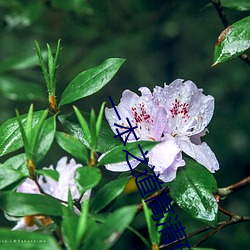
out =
column 235, row 220
column 156, row 194
column 224, row 192
column 226, row 23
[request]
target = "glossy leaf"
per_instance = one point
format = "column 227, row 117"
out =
column 18, row 162
column 193, row 191
column 20, row 204
column 10, row 136
column 105, row 235
column 108, row 193
column 106, row 138
column 19, row 90
column 90, row 81
column 73, row 146
column 87, row 177
column 16, row 240
column 46, row 137
column 152, row 230
column 241, row 5
column 117, row 155
column 233, row 41
column 9, row 175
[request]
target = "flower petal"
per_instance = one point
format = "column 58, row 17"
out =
column 201, row 153
column 189, row 110
column 29, row 187
column 166, row 157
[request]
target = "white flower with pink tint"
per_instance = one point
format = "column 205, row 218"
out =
column 58, row 189
column 177, row 116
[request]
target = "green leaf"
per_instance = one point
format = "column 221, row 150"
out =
column 87, row 177
column 90, row 81
column 241, row 5
column 19, row 63
column 105, row 235
column 233, row 41
column 117, row 155
column 53, row 174
column 73, row 146
column 46, row 138
column 106, row 138
column 99, row 120
column 108, row 193
column 152, row 230
column 84, row 125
column 74, row 228
column 16, row 240
column 10, row 136
column 20, row 204
column 9, row 175
column 193, row 191
column 18, row 162
column 19, row 90
column 69, row 230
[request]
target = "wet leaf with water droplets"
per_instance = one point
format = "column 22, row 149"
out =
column 233, row 41
column 193, row 191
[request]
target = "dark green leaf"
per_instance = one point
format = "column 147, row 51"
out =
column 233, row 41
column 46, row 137
column 106, row 138
column 241, row 5
column 10, row 136
column 19, row 90
column 18, row 162
column 193, row 191
column 108, row 193
column 9, row 175
column 16, row 240
column 90, row 81
column 104, row 236
column 87, row 177
column 78, row 6
column 20, row 204
column 73, row 146
column 117, row 155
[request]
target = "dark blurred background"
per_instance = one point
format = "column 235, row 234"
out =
column 161, row 41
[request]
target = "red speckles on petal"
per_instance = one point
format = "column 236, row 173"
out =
column 140, row 114
column 179, row 109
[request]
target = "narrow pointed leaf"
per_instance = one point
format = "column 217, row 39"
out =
column 105, row 235
column 99, row 120
column 193, row 191
column 84, row 125
column 108, row 193
column 10, row 136
column 90, row 81
column 106, row 137
column 46, row 138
